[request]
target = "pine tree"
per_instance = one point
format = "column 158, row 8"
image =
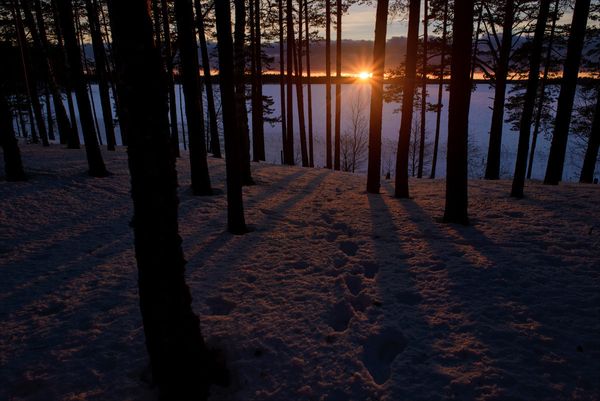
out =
column 13, row 166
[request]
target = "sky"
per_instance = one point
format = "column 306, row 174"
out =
column 359, row 24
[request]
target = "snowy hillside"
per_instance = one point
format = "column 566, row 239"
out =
column 335, row 295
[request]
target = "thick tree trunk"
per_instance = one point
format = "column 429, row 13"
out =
column 529, row 102
column 289, row 153
column 558, row 149
column 282, row 84
column 300, row 90
column 13, row 166
column 94, row 157
column 440, row 92
column 179, row 358
column 458, row 115
column 591, row 154
column 30, row 78
column 191, row 90
column 328, row 161
column 168, row 54
column 338, row 87
column 258, row 132
column 376, row 110
column 542, row 94
column 423, row 93
column 235, row 207
column 239, row 61
column 311, row 154
column 408, row 92
column 215, row 143
column 101, row 73
column 492, row 170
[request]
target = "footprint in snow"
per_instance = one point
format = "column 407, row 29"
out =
column 348, row 247
column 371, row 269
column 340, row 316
column 220, row 306
column 380, row 350
column 354, row 283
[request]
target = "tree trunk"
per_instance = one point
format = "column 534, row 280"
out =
column 458, row 115
column 300, row 90
column 290, row 82
column 328, row 149
column 542, row 95
column 258, row 132
column 376, row 110
column 13, row 166
column 408, row 91
column 440, row 92
column 492, row 170
column 239, row 56
column 529, row 101
column 591, row 154
column 188, row 51
column 235, row 207
column 311, row 154
column 101, row 73
column 556, row 159
column 94, row 157
column 179, row 358
column 215, row 143
column 170, row 79
column 338, row 86
column 282, row 85
column 423, row 93
column 30, row 79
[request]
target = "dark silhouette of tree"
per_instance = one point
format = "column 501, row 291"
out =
column 73, row 56
column 440, row 90
column 408, row 91
column 30, row 79
column 556, row 159
column 101, row 72
column 338, row 86
column 311, row 161
column 458, row 115
column 235, row 207
column 591, row 153
column 542, row 90
column 328, row 162
column 492, row 170
column 282, row 91
column 300, row 90
column 191, row 90
column 239, row 55
column 289, row 152
column 258, row 132
column 13, row 166
column 181, row 363
column 423, row 90
column 529, row 103
column 168, row 56
column 376, row 107
column 215, row 143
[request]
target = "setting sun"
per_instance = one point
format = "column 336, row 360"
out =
column 364, row 75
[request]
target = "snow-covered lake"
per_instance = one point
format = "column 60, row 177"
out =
column 480, row 120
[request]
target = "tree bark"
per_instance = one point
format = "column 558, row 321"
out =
column 311, row 154
column 458, row 115
column 179, row 358
column 13, row 166
column 591, row 154
column 191, row 90
column 529, row 102
column 408, row 91
column 215, row 143
column 282, row 93
column 423, row 93
column 440, row 92
column 492, row 170
column 170, row 80
column 258, row 132
column 289, row 82
column 235, row 207
column 376, row 109
column 328, row 161
column 300, row 90
column 338, row 86
column 558, row 149
column 94, row 157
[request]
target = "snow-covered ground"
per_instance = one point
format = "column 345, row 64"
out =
column 335, row 295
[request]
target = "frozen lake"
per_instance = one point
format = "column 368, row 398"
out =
column 480, row 120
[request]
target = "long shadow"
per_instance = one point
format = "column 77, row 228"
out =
column 495, row 287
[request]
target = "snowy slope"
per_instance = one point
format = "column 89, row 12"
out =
column 335, row 295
